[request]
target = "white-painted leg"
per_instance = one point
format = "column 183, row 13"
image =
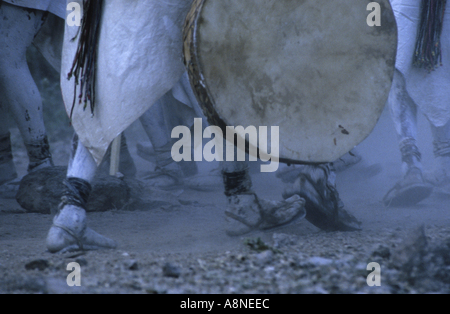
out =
column 69, row 231
column 81, row 163
column 412, row 188
column 404, row 114
column 20, row 96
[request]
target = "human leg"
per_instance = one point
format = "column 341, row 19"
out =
column 412, row 188
column 20, row 96
column 69, row 231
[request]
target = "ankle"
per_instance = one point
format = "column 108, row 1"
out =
column 237, row 182
column 39, row 154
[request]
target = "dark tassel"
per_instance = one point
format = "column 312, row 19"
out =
column 427, row 53
column 84, row 63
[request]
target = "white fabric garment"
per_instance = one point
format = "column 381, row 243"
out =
column 430, row 91
column 57, row 7
column 139, row 60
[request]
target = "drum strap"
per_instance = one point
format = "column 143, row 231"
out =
column 427, row 53
column 84, row 63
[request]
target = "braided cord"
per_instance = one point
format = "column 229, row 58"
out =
column 85, row 61
column 427, row 52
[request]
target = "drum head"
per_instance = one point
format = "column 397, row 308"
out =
column 314, row 68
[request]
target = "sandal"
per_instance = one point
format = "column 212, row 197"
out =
column 324, row 208
column 249, row 213
column 409, row 191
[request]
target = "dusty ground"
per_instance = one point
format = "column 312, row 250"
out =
column 185, row 249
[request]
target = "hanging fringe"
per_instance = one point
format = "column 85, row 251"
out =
column 84, row 63
column 427, row 53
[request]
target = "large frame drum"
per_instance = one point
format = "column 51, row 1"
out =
column 315, row 68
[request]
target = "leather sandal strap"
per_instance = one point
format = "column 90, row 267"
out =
column 71, row 233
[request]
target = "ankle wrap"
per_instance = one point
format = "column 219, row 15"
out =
column 410, row 151
column 237, row 182
column 76, row 192
column 38, row 153
column 441, row 148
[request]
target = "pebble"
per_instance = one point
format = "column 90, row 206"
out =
column 264, row 257
column 131, row 264
column 319, row 261
column 170, row 270
column 39, row 264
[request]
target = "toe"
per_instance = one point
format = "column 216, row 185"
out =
column 94, row 241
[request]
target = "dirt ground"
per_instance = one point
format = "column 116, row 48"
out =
column 184, row 249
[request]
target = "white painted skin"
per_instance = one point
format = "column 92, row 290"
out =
column 404, row 114
column 20, row 96
column 81, row 165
